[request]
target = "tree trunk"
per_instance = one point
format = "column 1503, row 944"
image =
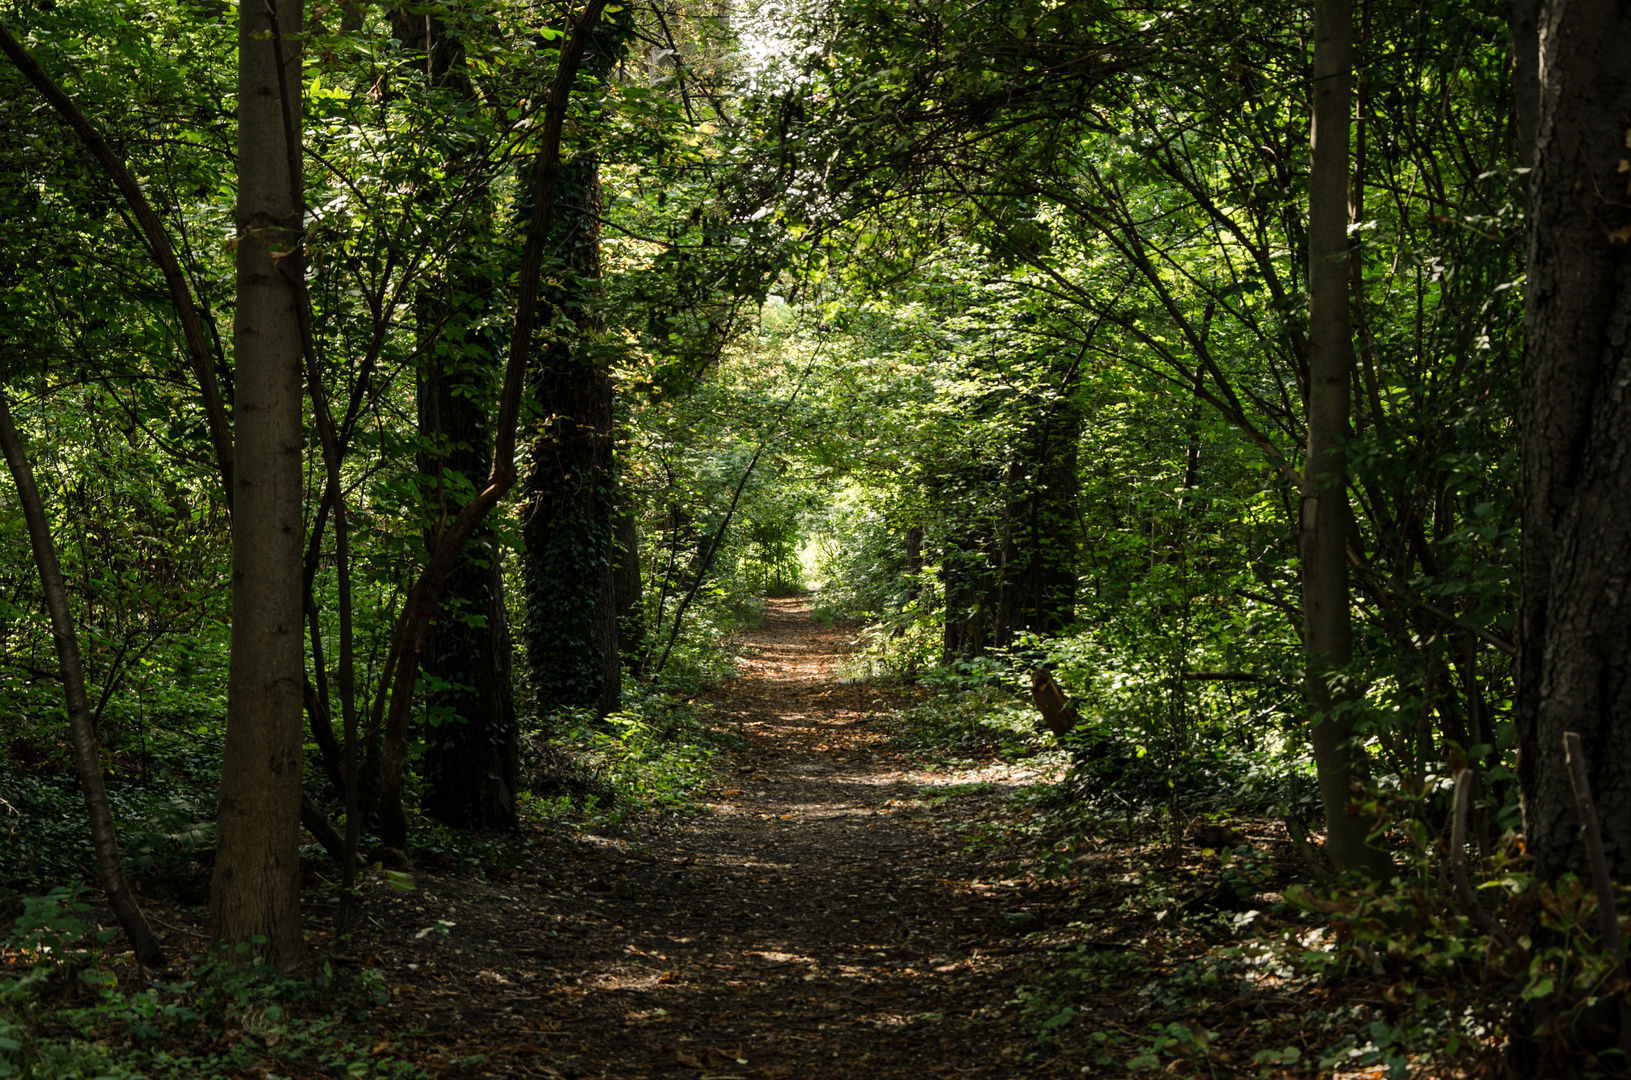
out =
column 472, row 752
column 572, row 626
column 472, row 755
column 631, row 612
column 393, row 700
column 1327, row 628
column 1525, row 76
column 472, row 748
column 256, row 887
column 87, row 761
column 1574, row 643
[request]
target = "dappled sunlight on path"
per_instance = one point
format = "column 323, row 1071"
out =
column 825, row 917
column 824, row 920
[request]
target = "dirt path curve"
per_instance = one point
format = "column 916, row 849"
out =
column 824, row 921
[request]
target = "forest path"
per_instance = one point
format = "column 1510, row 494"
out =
column 825, row 920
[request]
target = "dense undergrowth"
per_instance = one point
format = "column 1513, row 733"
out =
column 1204, row 942
column 74, row 1005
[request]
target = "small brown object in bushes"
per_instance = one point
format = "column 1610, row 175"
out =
column 1057, row 713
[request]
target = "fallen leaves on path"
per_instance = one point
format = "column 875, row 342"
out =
column 825, row 919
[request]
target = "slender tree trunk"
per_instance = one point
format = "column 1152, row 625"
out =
column 1327, row 627
column 256, row 887
column 631, row 612
column 1525, row 76
column 87, row 761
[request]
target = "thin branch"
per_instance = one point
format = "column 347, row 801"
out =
column 152, row 232
column 1486, row 636
column 1458, row 864
column 1607, row 913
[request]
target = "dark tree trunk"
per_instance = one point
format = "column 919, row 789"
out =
column 1045, row 520
column 1574, row 645
column 473, row 753
column 1038, row 536
column 394, row 699
column 570, row 506
column 471, row 741
column 1327, row 623
column 1525, row 76
column 1013, row 558
column 626, row 578
column 1574, row 625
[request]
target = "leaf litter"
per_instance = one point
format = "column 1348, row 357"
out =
column 845, row 910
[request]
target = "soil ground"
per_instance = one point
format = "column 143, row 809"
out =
column 823, row 920
column 844, row 907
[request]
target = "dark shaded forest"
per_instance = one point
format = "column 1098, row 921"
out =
column 1161, row 464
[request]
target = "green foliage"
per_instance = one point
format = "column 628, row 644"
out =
column 969, row 723
column 1037, row 274
column 162, row 825
column 68, row 1006
column 657, row 755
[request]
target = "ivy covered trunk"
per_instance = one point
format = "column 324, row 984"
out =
column 470, row 733
column 569, row 512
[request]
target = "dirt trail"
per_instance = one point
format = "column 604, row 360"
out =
column 823, row 921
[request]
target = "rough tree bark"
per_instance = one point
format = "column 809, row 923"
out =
column 395, row 696
column 87, row 762
column 570, row 496
column 472, row 759
column 256, row 888
column 1327, row 624
column 1574, row 643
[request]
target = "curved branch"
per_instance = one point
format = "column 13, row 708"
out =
column 152, row 232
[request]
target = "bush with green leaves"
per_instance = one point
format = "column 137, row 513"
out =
column 66, row 1013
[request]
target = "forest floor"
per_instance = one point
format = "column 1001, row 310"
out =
column 840, row 910
column 823, row 920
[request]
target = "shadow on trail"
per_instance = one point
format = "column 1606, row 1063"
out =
column 823, row 920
